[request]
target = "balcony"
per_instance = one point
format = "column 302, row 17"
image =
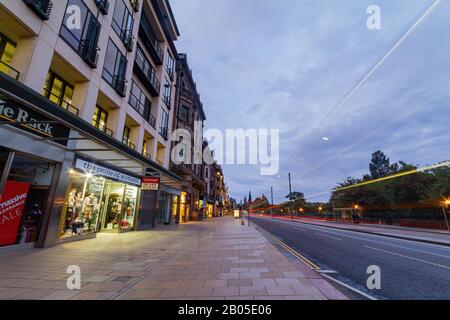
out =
column 119, row 84
column 43, row 8
column 104, row 129
column 89, row 52
column 146, row 74
column 150, row 42
column 9, row 71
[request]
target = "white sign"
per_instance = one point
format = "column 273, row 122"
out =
column 97, row 170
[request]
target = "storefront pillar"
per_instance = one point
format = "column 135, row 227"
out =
column 178, row 210
column 50, row 236
column 4, row 173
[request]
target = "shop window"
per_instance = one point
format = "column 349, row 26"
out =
column 97, row 204
column 26, row 192
column 59, row 91
column 7, row 51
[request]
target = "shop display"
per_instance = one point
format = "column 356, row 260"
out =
column 96, row 204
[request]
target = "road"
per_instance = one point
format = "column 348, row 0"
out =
column 409, row 270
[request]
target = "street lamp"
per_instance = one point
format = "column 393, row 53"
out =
column 445, row 205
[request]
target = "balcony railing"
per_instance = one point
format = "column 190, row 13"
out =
column 62, row 103
column 89, row 52
column 164, row 132
column 129, row 144
column 128, row 39
column 103, row 129
column 8, row 70
column 151, row 43
column 146, row 74
column 43, row 8
column 103, row 6
column 152, row 121
column 119, row 84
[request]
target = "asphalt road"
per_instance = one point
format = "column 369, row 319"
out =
column 409, row 270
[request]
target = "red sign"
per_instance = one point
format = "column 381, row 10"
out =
column 150, row 184
column 12, row 204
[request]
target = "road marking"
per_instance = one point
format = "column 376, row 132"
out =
column 408, row 257
column 317, row 227
column 349, row 287
column 324, row 235
column 308, row 262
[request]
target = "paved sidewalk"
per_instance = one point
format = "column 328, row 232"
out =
column 434, row 237
column 215, row 259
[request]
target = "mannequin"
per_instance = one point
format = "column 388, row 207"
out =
column 89, row 205
column 70, row 210
column 78, row 209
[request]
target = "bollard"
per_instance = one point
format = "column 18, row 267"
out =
column 243, row 222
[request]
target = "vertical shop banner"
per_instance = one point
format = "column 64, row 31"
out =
column 12, row 204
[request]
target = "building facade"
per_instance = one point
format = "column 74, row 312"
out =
column 188, row 153
column 86, row 105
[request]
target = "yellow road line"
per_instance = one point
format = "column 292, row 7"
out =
column 308, row 262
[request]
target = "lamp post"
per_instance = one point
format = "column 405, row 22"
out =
column 446, row 204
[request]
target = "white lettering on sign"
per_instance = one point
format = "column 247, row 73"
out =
column 97, row 170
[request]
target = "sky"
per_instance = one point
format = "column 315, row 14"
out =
column 284, row 64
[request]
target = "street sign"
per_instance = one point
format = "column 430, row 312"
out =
column 150, row 183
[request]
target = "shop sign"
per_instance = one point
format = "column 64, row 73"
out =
column 12, row 204
column 150, row 183
column 32, row 121
column 97, row 170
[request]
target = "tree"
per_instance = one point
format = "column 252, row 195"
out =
column 380, row 166
column 295, row 196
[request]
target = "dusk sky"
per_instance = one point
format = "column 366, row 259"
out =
column 284, row 64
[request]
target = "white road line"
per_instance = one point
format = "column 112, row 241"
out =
column 349, row 287
column 341, row 231
column 327, row 236
column 410, row 258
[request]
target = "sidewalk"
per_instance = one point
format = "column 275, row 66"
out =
column 215, row 259
column 433, row 237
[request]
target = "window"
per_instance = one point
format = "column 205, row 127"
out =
column 164, row 129
column 100, row 118
column 7, row 51
column 170, row 65
column 148, row 72
column 59, row 91
column 115, row 68
column 184, row 114
column 139, row 101
column 82, row 39
column 126, row 135
column 167, row 93
column 123, row 22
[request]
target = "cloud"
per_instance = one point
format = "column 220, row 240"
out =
column 285, row 64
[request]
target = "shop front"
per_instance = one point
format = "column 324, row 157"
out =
column 24, row 201
column 99, row 199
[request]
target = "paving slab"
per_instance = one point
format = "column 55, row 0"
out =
column 215, row 259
